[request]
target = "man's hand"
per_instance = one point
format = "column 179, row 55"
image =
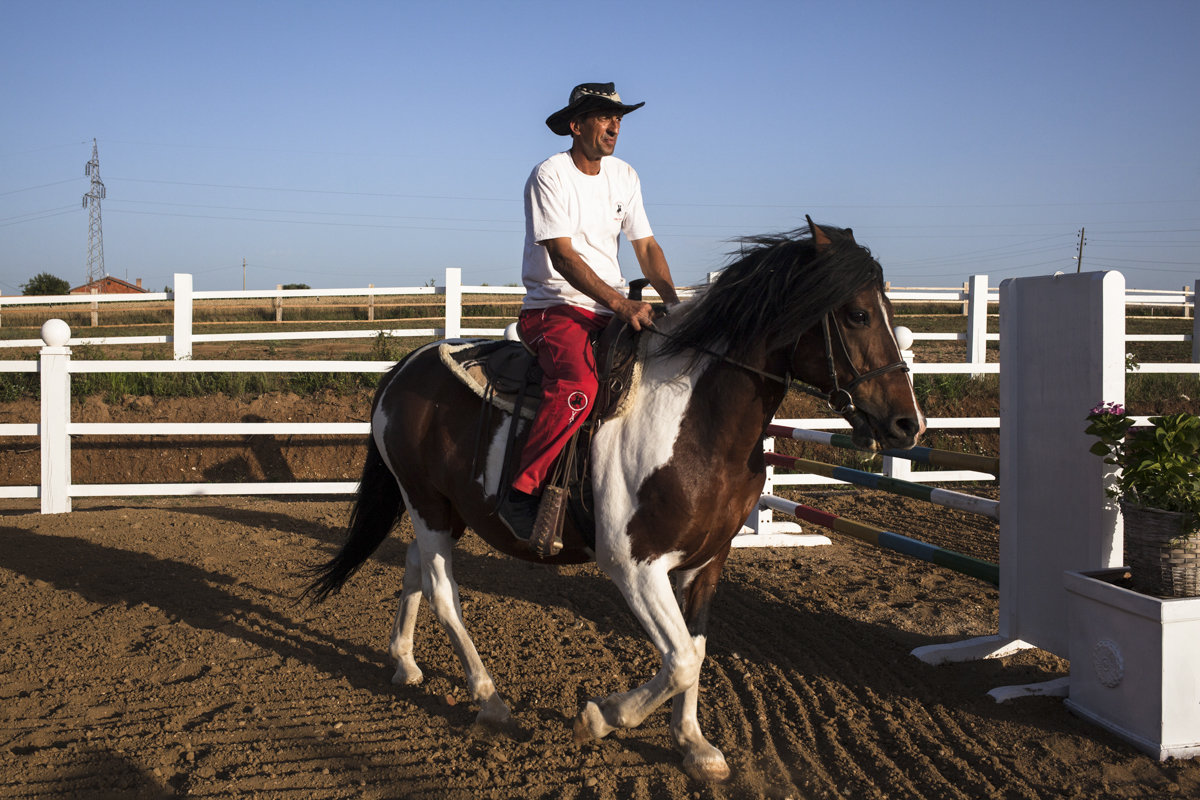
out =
column 639, row 315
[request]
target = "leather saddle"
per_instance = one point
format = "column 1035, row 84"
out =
column 506, row 374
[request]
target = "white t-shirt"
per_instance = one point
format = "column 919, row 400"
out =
column 592, row 210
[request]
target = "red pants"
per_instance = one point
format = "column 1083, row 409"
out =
column 559, row 337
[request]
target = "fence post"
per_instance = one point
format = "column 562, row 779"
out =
column 966, row 309
column 279, row 303
column 181, row 298
column 95, row 307
column 370, row 303
column 453, row 302
column 1195, row 325
column 54, row 366
column 901, row 468
column 977, row 311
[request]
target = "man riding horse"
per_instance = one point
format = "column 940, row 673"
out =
column 577, row 203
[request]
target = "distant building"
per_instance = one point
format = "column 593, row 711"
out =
column 110, row 285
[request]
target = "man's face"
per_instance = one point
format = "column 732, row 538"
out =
column 596, row 134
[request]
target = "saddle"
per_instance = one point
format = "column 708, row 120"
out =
column 506, row 374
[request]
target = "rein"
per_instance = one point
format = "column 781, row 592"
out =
column 838, row 398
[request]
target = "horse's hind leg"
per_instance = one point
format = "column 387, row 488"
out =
column 440, row 588
column 401, row 645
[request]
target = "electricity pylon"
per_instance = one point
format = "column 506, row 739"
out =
column 91, row 201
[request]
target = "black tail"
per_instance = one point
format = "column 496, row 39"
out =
column 377, row 506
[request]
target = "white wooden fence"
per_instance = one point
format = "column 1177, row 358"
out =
column 55, row 429
column 974, row 295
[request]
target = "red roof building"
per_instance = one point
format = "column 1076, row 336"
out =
column 110, row 285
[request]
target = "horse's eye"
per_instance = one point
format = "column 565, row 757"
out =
column 859, row 317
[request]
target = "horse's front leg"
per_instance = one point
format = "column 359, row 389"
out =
column 647, row 590
column 695, row 591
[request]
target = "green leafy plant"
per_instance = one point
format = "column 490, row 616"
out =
column 1160, row 464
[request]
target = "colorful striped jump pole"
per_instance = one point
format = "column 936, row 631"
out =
column 940, row 497
column 968, row 565
column 943, row 459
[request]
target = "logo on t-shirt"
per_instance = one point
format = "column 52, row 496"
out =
column 620, row 208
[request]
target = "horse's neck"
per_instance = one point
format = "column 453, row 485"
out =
column 724, row 389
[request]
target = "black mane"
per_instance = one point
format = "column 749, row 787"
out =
column 778, row 287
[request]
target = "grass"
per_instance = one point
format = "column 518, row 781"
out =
column 23, row 322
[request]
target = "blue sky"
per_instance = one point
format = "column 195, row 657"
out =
column 353, row 143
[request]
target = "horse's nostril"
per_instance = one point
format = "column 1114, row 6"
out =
column 908, row 426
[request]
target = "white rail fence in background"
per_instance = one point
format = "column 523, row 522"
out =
column 974, row 295
column 55, row 429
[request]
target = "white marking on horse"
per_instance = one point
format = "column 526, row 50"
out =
column 900, row 357
column 627, row 450
column 493, row 467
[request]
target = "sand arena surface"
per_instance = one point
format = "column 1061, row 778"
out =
column 154, row 649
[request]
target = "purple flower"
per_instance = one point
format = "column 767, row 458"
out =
column 1116, row 409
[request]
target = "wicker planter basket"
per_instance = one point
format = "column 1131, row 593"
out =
column 1162, row 549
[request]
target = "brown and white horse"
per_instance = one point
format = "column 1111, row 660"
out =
column 673, row 477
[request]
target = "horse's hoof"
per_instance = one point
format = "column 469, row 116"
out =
column 710, row 768
column 590, row 724
column 407, row 675
column 494, row 713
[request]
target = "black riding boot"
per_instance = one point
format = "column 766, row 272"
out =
column 518, row 511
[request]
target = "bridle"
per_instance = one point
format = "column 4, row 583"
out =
column 838, row 398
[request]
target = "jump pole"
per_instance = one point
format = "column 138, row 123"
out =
column 877, row 537
column 943, row 459
column 939, row 497
column 761, row 529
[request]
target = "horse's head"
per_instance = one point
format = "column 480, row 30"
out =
column 772, row 307
column 853, row 356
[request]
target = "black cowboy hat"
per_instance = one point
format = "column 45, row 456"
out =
column 586, row 98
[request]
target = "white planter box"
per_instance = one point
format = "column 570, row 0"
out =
column 1135, row 665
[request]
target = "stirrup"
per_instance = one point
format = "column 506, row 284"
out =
column 546, row 538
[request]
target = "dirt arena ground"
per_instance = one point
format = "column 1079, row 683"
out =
column 155, row 649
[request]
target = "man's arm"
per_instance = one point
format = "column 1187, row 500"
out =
column 653, row 262
column 569, row 264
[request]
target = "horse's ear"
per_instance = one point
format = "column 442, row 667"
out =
column 850, row 234
column 819, row 237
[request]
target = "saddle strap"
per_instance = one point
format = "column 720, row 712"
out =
column 511, row 455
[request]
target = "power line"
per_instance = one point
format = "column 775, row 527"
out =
column 319, row 213
column 320, row 222
column 32, row 188
column 241, row 187
column 36, row 215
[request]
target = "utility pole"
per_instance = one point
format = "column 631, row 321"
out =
column 1079, row 258
column 91, row 201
